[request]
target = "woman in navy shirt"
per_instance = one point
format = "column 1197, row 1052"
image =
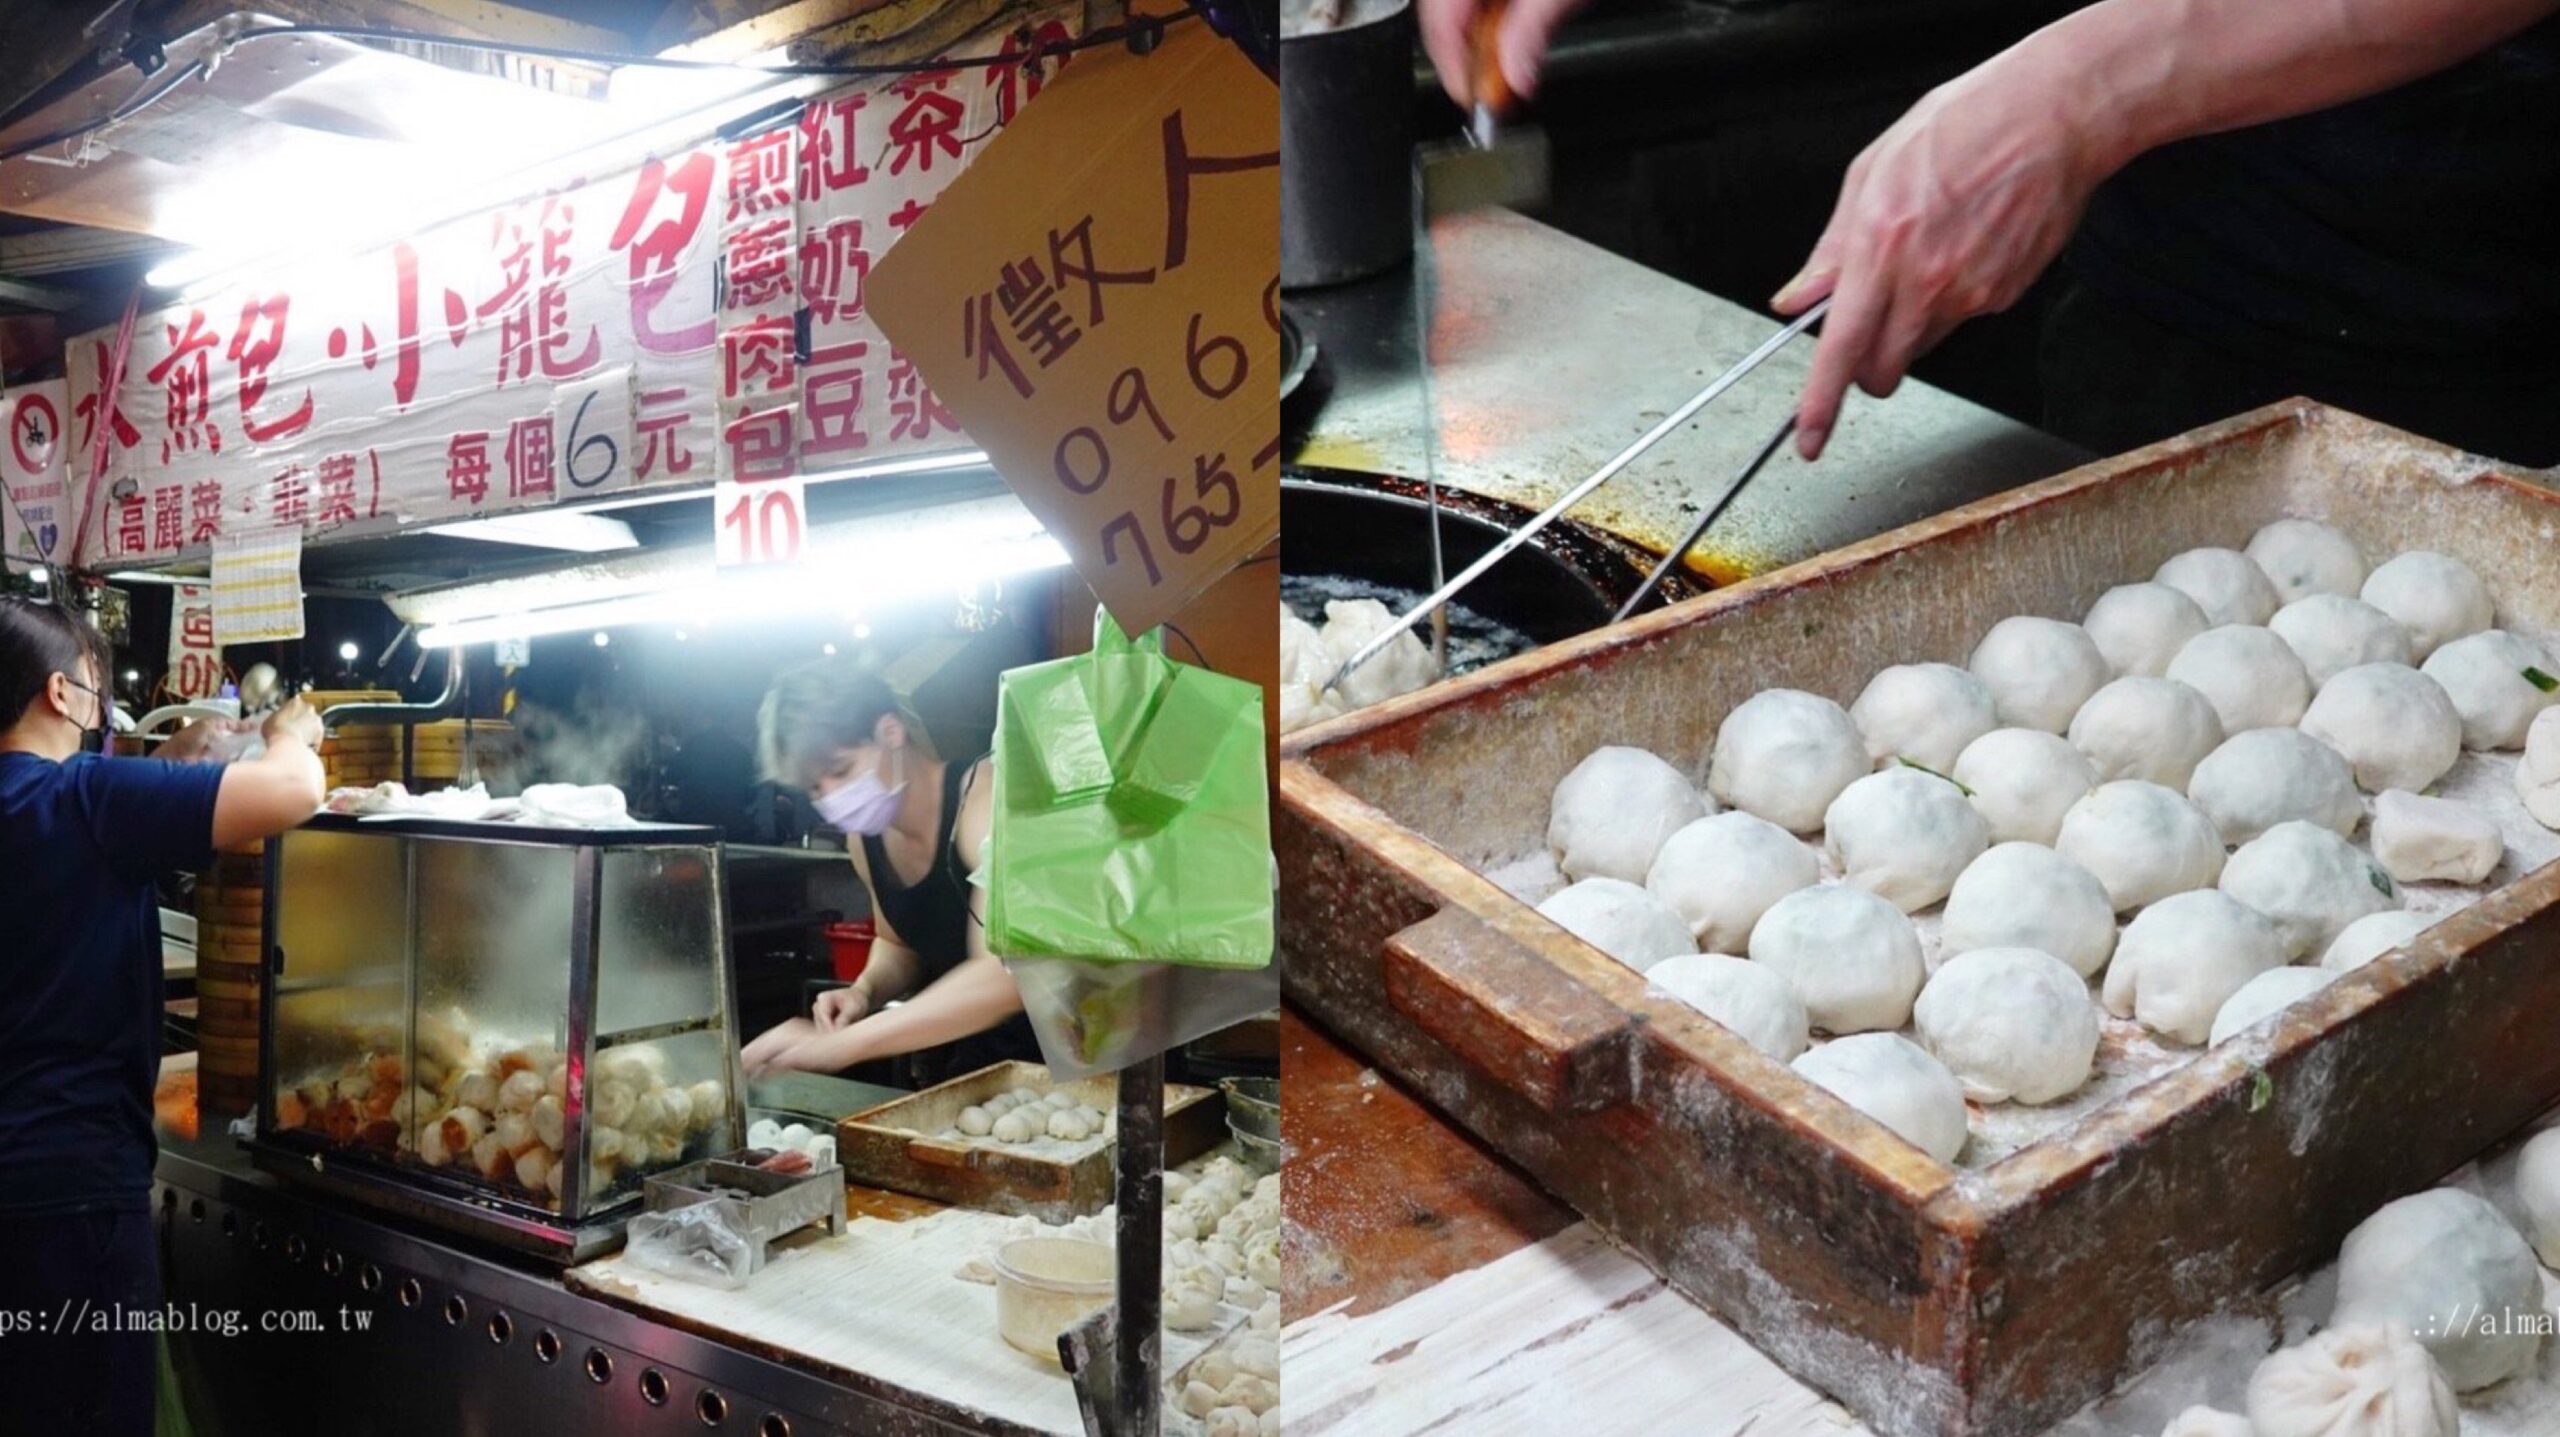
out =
column 82, row 838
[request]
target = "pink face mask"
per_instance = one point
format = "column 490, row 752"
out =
column 865, row 807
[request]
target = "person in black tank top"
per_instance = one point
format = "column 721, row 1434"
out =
column 835, row 731
column 2344, row 200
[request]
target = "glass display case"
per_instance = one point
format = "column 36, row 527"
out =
column 499, row 1028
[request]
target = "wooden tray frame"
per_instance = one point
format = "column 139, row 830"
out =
column 1932, row 1302
column 989, row 1177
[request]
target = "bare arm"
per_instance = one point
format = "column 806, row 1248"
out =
column 1956, row 209
column 971, row 998
column 263, row 796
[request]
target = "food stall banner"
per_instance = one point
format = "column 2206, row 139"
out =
column 1097, row 300
column 35, row 525
column 634, row 328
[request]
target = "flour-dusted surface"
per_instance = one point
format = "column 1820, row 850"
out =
column 880, row 1301
column 1571, row 1335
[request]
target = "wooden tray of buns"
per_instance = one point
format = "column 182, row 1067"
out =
column 900, row 1145
column 1933, row 1300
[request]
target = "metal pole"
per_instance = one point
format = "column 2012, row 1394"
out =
column 1138, row 1187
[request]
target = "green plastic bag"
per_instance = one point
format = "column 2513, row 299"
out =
column 1132, row 817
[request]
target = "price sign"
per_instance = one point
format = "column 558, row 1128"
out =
column 766, row 522
column 1097, row 300
column 592, row 421
column 195, row 665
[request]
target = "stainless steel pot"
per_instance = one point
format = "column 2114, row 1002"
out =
column 1346, row 145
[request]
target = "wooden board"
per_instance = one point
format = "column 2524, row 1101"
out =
column 1055, row 1188
column 1382, row 1198
column 1932, row 1305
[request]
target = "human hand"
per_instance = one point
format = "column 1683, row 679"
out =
column 295, row 721
column 1951, row 213
column 196, row 742
column 839, row 1007
column 773, row 1042
column 1523, row 30
column 823, row 1052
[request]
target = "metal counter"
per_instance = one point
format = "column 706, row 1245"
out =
column 396, row 1330
column 1550, row 355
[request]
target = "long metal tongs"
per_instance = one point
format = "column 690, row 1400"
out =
column 1706, row 521
column 1581, row 491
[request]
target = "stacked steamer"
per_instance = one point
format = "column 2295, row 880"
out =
column 364, row 755
column 230, row 929
column 491, row 743
column 1986, row 887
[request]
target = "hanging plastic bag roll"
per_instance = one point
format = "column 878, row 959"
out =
column 1171, row 861
column 1135, row 912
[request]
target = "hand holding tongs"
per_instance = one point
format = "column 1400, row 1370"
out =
column 1603, row 475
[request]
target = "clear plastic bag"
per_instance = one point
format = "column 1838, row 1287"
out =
column 698, row 1244
column 1101, row 1017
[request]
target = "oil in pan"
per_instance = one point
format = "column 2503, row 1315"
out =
column 1474, row 640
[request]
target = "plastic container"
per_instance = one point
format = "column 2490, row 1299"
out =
column 849, row 945
column 1046, row 1285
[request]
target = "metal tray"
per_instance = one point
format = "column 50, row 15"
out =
column 1932, row 1301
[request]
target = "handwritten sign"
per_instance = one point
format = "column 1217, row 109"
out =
column 763, row 522
column 34, row 527
column 1097, row 300
column 195, row 664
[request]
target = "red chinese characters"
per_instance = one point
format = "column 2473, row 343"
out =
column 466, row 467
column 185, row 377
column 204, row 513
column 830, row 157
column 662, row 415
column 337, row 481
column 655, row 250
column 535, row 336
column 1015, row 75
column 760, row 445
column 760, row 176
column 529, row 461
column 833, row 268
column 255, row 346
column 756, row 355
column 133, row 526
column 927, row 123
column 86, row 411
column 289, row 497
column 758, row 261
column 168, row 517
column 831, row 397
column 914, row 412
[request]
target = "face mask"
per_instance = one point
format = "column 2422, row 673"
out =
column 94, row 740
column 864, row 807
